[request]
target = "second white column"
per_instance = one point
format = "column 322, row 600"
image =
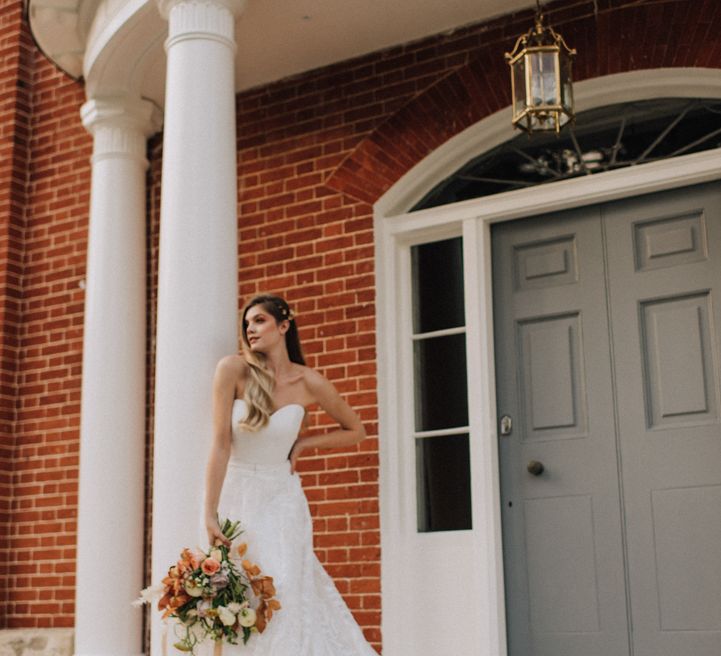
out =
column 197, row 279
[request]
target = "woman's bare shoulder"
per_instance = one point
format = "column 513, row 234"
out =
column 232, row 365
column 314, row 380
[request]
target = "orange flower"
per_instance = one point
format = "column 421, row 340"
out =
column 251, row 568
column 260, row 618
column 170, row 603
column 174, row 580
column 190, row 558
column 264, row 612
column 242, row 548
column 263, row 586
column 210, row 566
column 179, row 600
column 164, row 600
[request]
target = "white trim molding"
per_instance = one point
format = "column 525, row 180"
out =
column 407, row 555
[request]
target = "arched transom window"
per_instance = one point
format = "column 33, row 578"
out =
column 602, row 139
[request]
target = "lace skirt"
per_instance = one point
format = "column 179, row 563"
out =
column 314, row 619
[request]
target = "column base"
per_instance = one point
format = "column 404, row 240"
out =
column 36, row 642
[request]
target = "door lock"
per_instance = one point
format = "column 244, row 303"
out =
column 506, row 425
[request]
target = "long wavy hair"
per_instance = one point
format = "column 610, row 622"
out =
column 258, row 393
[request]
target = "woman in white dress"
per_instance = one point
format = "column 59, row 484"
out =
column 259, row 401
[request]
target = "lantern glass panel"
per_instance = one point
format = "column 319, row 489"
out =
column 543, row 121
column 533, row 62
column 519, row 86
column 544, row 89
column 549, row 68
column 566, row 86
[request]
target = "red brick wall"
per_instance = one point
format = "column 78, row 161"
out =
column 611, row 36
column 48, row 263
column 314, row 153
column 15, row 52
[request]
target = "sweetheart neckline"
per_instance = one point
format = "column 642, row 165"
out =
column 283, row 407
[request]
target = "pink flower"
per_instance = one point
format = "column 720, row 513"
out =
column 210, row 566
column 219, row 581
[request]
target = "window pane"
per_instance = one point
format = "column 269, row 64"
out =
column 441, row 391
column 443, row 477
column 438, row 285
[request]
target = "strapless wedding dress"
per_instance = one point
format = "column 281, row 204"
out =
column 260, row 491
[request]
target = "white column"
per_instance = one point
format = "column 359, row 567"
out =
column 197, row 279
column 112, row 425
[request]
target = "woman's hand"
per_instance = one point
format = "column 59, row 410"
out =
column 215, row 535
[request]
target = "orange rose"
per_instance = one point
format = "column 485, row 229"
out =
column 210, row 566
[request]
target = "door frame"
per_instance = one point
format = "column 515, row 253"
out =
column 403, row 551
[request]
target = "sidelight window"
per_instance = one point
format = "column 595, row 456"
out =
column 443, row 479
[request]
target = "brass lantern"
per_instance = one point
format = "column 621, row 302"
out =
column 541, row 79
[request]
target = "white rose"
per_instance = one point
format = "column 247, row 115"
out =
column 192, row 589
column 246, row 617
column 234, row 607
column 217, row 554
column 226, row 616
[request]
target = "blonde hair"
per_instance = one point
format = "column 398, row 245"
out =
column 258, row 393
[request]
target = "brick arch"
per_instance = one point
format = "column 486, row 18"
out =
column 617, row 39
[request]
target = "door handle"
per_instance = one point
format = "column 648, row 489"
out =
column 536, row 468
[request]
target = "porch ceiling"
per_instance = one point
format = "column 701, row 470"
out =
column 118, row 44
column 277, row 38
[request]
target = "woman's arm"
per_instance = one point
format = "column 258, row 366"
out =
column 228, row 371
column 351, row 429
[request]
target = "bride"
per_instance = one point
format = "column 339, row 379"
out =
column 259, row 401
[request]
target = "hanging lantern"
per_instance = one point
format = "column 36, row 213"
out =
column 541, row 79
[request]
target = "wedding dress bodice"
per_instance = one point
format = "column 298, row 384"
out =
column 271, row 444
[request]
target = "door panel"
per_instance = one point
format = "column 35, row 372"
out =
column 666, row 320
column 563, row 585
column 677, row 356
column 562, row 528
column 552, row 382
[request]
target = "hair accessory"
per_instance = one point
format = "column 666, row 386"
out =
column 286, row 312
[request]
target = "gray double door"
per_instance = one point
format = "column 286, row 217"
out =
column 607, row 332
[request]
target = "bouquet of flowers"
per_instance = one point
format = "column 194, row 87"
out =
column 215, row 595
